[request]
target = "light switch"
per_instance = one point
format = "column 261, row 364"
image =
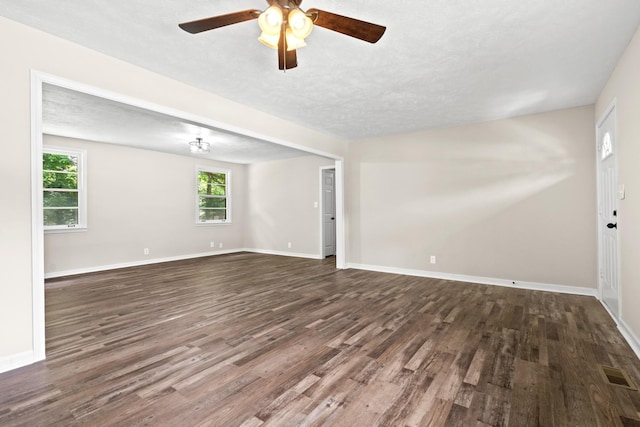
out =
column 621, row 192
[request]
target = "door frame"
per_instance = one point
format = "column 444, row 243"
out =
column 321, row 206
column 612, row 107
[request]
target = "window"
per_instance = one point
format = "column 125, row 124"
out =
column 607, row 146
column 63, row 189
column 213, row 196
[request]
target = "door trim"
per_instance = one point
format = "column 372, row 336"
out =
column 37, row 229
column 612, row 107
column 341, row 246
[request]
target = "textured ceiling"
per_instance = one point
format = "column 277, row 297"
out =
column 78, row 115
column 440, row 63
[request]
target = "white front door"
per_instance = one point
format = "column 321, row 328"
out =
column 328, row 213
column 608, row 212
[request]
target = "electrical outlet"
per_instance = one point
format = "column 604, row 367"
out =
column 212, row 244
column 146, row 251
column 433, row 259
column 220, row 245
column 289, row 245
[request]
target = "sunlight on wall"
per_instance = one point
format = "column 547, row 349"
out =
column 463, row 183
column 512, row 198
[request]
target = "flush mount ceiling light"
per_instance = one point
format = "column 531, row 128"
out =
column 199, row 146
column 285, row 27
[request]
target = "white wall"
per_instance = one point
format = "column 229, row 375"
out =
column 141, row 199
column 623, row 86
column 509, row 199
column 281, row 205
column 29, row 50
column 145, row 199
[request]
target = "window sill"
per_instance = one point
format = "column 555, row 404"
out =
column 207, row 224
column 65, row 230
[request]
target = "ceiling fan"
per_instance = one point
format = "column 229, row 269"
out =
column 285, row 26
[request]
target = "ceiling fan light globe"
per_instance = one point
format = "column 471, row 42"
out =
column 300, row 24
column 269, row 40
column 294, row 42
column 270, row 20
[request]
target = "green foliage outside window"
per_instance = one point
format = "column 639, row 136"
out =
column 60, row 184
column 212, row 196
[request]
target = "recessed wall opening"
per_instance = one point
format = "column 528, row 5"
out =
column 187, row 123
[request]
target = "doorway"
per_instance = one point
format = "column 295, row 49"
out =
column 328, row 212
column 607, row 174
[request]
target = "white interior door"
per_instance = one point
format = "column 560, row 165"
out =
column 608, row 213
column 328, row 213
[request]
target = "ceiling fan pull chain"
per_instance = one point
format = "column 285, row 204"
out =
column 283, row 35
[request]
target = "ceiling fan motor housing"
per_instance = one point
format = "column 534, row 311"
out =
column 285, row 4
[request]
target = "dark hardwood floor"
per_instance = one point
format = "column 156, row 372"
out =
column 253, row 340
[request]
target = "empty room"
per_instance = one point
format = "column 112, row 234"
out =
column 323, row 213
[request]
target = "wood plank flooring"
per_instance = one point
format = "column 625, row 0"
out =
column 259, row 340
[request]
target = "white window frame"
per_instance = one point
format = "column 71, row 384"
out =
column 227, row 173
column 82, row 190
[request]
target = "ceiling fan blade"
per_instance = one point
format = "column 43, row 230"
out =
column 351, row 27
column 287, row 59
column 213, row 22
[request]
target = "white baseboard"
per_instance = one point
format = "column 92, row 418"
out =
column 631, row 338
column 15, row 361
column 281, row 253
column 548, row 287
column 94, row 269
column 625, row 330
